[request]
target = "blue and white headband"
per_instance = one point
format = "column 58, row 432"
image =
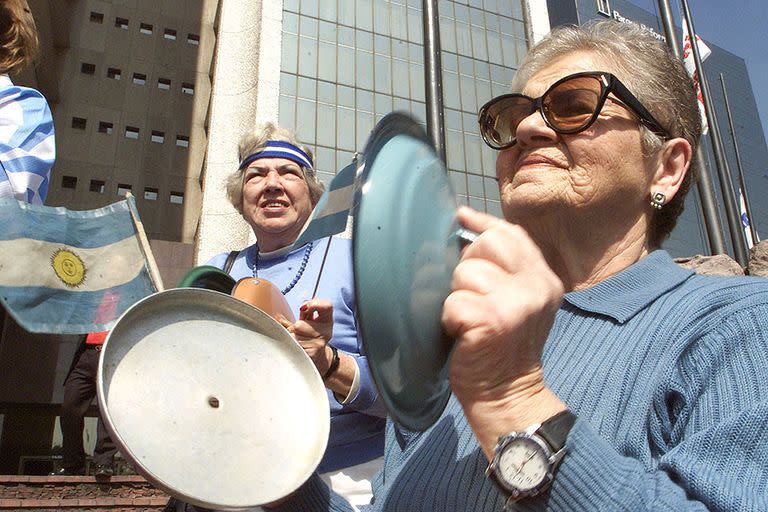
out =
column 278, row 149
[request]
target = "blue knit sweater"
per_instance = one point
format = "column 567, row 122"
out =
column 357, row 427
column 668, row 374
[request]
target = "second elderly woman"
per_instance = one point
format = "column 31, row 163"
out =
column 275, row 188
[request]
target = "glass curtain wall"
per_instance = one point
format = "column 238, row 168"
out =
column 347, row 63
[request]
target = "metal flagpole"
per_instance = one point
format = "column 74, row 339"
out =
column 729, row 197
column 742, row 181
column 433, row 79
column 712, row 224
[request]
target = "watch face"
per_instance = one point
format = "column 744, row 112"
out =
column 523, row 464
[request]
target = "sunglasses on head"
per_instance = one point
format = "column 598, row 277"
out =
column 569, row 106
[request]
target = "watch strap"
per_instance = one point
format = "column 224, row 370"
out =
column 334, row 362
column 555, row 430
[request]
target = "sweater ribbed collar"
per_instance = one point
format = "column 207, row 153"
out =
column 625, row 294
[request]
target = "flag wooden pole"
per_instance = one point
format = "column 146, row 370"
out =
column 322, row 266
column 146, row 250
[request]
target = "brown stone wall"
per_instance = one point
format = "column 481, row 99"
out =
column 76, row 493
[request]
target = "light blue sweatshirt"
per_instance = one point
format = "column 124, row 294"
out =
column 357, row 427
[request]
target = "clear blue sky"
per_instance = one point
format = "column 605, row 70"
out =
column 739, row 26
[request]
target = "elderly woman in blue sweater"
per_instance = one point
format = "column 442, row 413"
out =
column 275, row 188
column 590, row 372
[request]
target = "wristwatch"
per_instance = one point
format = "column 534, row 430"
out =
column 524, row 463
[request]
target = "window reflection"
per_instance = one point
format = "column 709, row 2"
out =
column 347, row 63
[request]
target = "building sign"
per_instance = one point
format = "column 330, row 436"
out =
column 618, row 17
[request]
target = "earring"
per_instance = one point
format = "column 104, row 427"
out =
column 658, row 199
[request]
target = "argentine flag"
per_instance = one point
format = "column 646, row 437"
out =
column 27, row 149
column 333, row 209
column 70, row 272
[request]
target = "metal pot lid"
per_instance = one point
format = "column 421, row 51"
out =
column 212, row 400
column 405, row 249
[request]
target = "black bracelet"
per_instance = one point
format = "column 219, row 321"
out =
column 334, row 363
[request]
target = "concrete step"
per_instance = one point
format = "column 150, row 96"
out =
column 121, row 493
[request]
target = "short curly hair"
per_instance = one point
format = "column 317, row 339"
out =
column 257, row 139
column 653, row 74
column 19, row 45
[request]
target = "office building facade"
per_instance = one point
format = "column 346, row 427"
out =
column 689, row 237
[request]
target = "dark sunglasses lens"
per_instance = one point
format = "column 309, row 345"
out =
column 499, row 120
column 571, row 105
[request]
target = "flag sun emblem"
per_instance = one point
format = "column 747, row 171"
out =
column 68, row 267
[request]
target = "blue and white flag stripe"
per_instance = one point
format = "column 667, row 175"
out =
column 70, row 272
column 83, row 228
column 332, row 211
column 107, row 266
column 745, row 220
column 27, row 148
column 38, row 310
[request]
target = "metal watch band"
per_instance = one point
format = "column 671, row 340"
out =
column 555, row 430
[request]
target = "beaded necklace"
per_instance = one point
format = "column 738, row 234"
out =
column 304, row 261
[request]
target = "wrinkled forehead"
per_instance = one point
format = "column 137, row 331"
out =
column 567, row 64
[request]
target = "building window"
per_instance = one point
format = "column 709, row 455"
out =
column 182, row 141
column 123, row 189
column 87, row 68
column 105, row 127
column 150, row 194
column 131, row 132
column 121, row 23
column 97, row 186
column 97, row 17
column 79, row 123
column 193, row 39
column 169, row 34
column 164, row 84
column 187, row 88
column 145, row 28
column 69, row 182
column 139, row 78
column 157, row 137
column 604, row 7
column 177, row 197
column 113, row 73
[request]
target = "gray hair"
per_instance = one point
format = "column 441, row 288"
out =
column 654, row 75
column 257, row 139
